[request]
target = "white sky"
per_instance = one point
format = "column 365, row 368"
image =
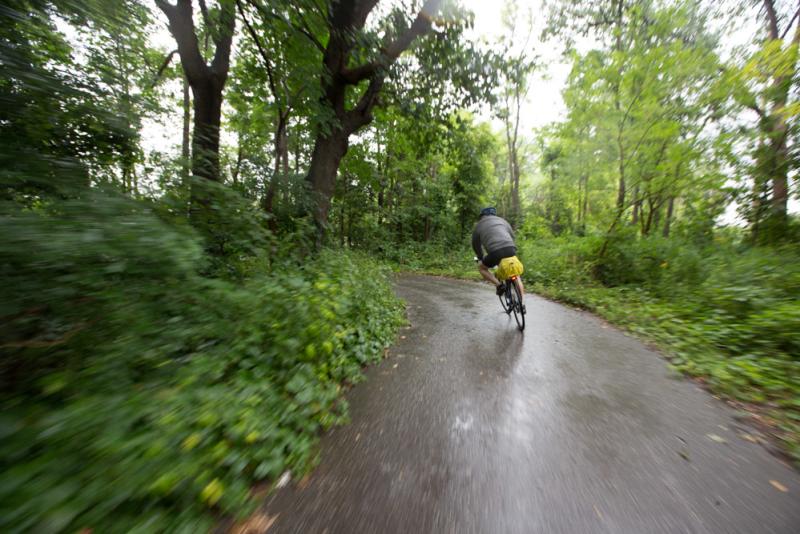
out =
column 544, row 103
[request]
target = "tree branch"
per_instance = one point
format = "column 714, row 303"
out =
column 772, row 19
column 262, row 52
column 222, row 54
column 304, row 30
column 166, row 7
column 421, row 25
column 204, row 11
column 789, row 26
column 181, row 26
column 163, row 67
column 796, row 39
column 361, row 114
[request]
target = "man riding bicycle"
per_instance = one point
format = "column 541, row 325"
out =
column 494, row 234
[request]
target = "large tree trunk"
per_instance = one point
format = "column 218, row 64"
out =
column 776, row 169
column 651, row 213
column 205, row 134
column 328, row 153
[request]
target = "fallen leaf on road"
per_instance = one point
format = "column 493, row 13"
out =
column 285, row 478
column 358, row 436
column 718, row 439
column 779, row 486
column 394, row 366
column 749, row 437
column 258, row 523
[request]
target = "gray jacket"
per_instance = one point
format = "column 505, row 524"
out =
column 492, row 233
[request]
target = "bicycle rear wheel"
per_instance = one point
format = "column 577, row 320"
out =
column 516, row 305
column 505, row 298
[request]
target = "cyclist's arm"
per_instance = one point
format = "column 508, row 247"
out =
column 510, row 231
column 476, row 245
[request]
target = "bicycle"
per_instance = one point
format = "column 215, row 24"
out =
column 511, row 300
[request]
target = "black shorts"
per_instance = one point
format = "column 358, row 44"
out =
column 494, row 257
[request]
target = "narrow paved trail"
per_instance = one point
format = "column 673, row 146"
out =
column 574, row 427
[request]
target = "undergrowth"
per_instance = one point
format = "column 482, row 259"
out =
column 141, row 396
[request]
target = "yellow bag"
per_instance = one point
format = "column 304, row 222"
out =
column 509, row 267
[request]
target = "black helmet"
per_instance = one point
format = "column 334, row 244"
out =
column 488, row 211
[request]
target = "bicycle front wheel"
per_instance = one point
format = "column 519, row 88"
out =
column 516, row 306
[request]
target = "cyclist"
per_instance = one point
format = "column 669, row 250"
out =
column 494, row 234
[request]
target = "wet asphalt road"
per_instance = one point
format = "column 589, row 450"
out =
column 471, row 426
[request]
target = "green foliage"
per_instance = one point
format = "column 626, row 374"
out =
column 655, row 263
column 558, row 262
column 141, row 396
column 427, row 182
column 438, row 258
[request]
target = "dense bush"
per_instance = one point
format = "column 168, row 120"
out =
column 658, row 264
column 558, row 262
column 434, row 257
column 139, row 395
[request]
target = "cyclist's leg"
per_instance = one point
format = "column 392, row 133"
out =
column 487, row 274
column 521, row 288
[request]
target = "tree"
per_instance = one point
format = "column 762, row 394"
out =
column 207, row 81
column 643, row 127
column 276, row 62
column 769, row 78
column 516, row 67
column 345, row 20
